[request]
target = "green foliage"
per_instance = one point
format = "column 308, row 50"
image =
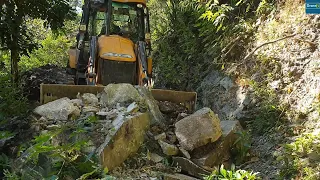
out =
column 4, row 162
column 191, row 37
column 232, row 174
column 242, row 146
column 270, row 112
column 301, row 157
column 12, row 101
column 14, row 33
column 10, row 176
column 53, row 51
column 58, row 155
column 265, row 7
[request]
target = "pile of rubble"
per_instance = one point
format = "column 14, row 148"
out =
column 123, row 117
column 47, row 74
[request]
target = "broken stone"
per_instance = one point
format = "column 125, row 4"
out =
column 177, row 177
column 156, row 115
column 90, row 109
column 76, row 113
column 155, row 157
column 90, row 99
column 172, row 138
column 168, row 149
column 120, row 93
column 110, row 114
column 166, row 107
column 132, row 108
column 181, row 116
column 124, row 139
column 53, row 127
column 42, row 119
column 36, row 127
column 101, row 113
column 185, row 153
column 56, row 110
column 190, row 167
column 76, row 102
column 198, row 129
column 161, row 136
column 214, row 154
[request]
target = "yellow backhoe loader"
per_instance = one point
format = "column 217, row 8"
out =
column 113, row 46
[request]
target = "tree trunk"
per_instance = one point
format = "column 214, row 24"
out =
column 14, row 65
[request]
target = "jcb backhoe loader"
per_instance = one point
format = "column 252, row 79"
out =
column 113, row 46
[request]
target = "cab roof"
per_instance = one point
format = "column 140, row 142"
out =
column 144, row 2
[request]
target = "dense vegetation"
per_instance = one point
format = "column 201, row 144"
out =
column 192, row 37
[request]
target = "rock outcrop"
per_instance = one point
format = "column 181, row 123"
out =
column 198, row 129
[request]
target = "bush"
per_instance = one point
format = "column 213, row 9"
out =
column 301, row 158
column 53, row 51
column 232, row 174
column 200, row 36
column 12, row 101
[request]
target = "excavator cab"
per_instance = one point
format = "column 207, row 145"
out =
column 113, row 44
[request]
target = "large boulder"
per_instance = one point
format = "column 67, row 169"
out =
column 198, row 129
column 60, row 109
column 214, row 154
column 119, row 93
column 124, row 139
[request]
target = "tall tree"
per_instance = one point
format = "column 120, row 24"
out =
column 14, row 35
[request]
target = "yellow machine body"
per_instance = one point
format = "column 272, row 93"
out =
column 72, row 58
column 116, row 48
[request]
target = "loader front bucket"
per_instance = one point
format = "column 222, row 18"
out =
column 51, row 92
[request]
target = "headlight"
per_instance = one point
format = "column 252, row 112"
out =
column 117, row 55
column 126, row 56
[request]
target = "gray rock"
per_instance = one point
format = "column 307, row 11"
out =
column 214, row 154
column 132, row 108
column 185, row 153
column 161, row 136
column 101, row 113
column 110, row 114
column 76, row 112
column 53, row 127
column 155, row 157
column 90, row 99
column 156, row 115
column 56, row 110
column 76, row 102
column 226, row 83
column 172, row 138
column 123, row 140
column 168, row 149
column 198, row 129
column 190, row 167
column 120, row 93
column 177, row 176
column 90, row 109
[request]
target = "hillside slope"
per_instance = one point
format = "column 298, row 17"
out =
column 274, row 90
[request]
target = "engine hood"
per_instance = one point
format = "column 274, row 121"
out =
column 116, row 48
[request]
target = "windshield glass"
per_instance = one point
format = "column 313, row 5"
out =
column 124, row 20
